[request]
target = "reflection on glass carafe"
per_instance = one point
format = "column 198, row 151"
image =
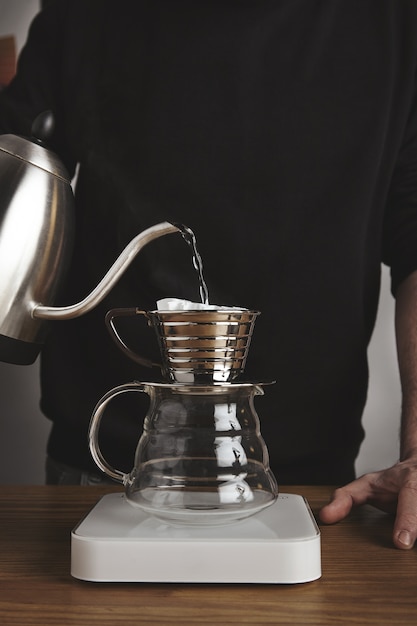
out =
column 201, row 458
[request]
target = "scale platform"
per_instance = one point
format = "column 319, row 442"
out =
column 117, row 542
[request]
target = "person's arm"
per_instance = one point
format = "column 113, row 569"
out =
column 406, row 333
column 393, row 489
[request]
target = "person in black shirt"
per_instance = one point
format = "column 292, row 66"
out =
column 285, row 135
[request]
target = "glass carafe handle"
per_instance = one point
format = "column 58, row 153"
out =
column 127, row 312
column 94, row 427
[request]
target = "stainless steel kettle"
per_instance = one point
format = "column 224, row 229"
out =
column 36, row 239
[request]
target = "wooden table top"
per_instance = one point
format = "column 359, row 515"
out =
column 365, row 579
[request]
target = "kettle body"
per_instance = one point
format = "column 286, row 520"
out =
column 36, row 240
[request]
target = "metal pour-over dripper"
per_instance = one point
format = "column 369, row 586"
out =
column 196, row 346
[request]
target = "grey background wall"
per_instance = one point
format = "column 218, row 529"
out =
column 24, row 431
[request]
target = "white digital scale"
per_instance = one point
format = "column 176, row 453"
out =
column 117, row 542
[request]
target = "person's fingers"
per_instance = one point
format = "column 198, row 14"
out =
column 405, row 526
column 345, row 498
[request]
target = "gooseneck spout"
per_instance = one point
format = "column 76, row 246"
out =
column 107, row 283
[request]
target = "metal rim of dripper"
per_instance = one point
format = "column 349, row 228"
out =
column 198, row 353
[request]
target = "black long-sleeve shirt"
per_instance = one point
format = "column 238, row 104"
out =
column 284, row 133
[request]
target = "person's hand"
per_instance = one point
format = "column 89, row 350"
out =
column 393, row 490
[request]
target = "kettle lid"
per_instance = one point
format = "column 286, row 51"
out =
column 33, row 150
